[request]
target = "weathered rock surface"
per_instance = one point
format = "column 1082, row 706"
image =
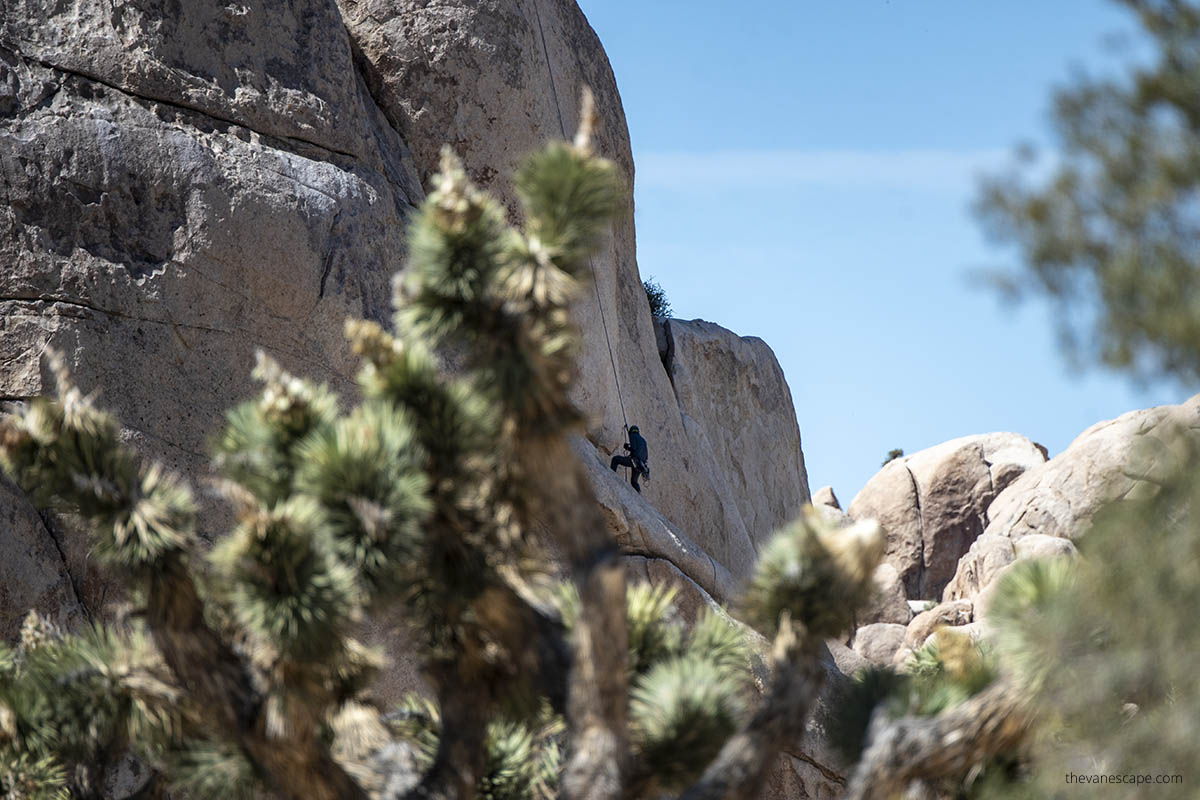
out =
column 738, row 413
column 934, row 503
column 33, row 569
column 1056, row 501
column 690, row 599
column 889, row 603
column 497, row 79
column 185, row 184
column 923, row 625
column 1133, row 453
column 825, row 497
column 988, row 554
column 878, row 642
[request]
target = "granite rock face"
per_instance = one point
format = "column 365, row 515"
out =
column 825, row 497
column 33, row 570
column 737, row 412
column 879, row 641
column 187, row 183
column 934, row 503
column 889, row 603
column 1131, row 454
column 184, row 184
column 1048, row 506
column 498, row 79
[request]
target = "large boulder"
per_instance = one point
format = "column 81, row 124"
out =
column 1053, row 503
column 879, row 641
column 499, row 78
column 184, row 184
column 934, row 503
column 738, row 413
column 888, row 603
column 1131, row 454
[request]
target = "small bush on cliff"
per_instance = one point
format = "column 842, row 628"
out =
column 656, row 296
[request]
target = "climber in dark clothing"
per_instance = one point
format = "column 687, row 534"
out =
column 637, row 459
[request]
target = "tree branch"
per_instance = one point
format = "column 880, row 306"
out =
column 221, row 686
column 598, row 691
column 945, row 746
column 740, row 769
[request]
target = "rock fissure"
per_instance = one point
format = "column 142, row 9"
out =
column 562, row 125
column 72, row 579
column 920, row 520
column 826, row 773
column 52, row 300
column 329, row 254
column 182, row 106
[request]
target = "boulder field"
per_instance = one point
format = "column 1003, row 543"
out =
column 185, row 183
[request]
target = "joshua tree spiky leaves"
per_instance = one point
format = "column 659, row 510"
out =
column 235, row 670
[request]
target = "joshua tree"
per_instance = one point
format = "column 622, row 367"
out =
column 235, row 669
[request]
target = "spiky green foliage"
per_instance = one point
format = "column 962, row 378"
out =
column 76, row 700
column 654, row 632
column 569, row 197
column 847, row 716
column 682, row 711
column 67, row 454
column 1108, row 640
column 27, row 777
column 1025, row 608
column 364, row 470
column 719, row 640
column 818, row 572
column 937, row 677
column 209, row 769
column 945, row 672
column 522, row 759
column 257, row 448
column 287, row 584
column 238, row 674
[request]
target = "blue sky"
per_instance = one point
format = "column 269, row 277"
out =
column 804, row 174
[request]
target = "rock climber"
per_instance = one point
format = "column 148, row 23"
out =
column 638, row 458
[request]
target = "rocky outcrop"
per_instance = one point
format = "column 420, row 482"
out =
column 737, row 411
column 187, row 183
column 889, row 603
column 33, row 568
column 879, row 642
column 184, row 184
column 499, row 78
column 825, row 497
column 1053, row 503
column 1132, row 454
column 949, row 614
column 934, row 503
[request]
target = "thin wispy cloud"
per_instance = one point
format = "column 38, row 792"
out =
column 920, row 169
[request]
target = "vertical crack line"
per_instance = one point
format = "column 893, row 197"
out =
column 537, row 13
column 331, row 249
column 920, row 526
column 48, row 525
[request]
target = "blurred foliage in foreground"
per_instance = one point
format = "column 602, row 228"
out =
column 1113, row 234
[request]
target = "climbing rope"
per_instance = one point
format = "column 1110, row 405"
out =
column 562, row 126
